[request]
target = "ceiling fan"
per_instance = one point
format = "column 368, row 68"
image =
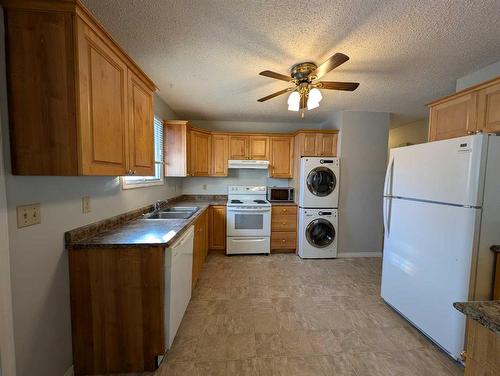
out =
column 305, row 93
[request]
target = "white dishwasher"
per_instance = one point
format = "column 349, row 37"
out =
column 178, row 274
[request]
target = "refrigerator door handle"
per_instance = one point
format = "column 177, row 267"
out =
column 387, row 215
column 388, row 176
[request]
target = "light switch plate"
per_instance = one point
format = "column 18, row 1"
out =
column 28, row 215
column 86, row 204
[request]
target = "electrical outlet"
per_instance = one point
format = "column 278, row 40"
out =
column 86, row 204
column 204, row 187
column 28, row 215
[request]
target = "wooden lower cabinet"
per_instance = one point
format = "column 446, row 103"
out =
column 217, row 228
column 200, row 246
column 483, row 351
column 284, row 228
column 117, row 308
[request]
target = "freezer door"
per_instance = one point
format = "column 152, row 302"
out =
column 426, row 266
column 449, row 171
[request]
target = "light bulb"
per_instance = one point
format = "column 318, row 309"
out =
column 314, row 98
column 294, row 101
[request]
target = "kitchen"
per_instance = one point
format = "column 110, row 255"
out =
column 78, row 203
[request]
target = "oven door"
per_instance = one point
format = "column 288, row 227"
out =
column 248, row 221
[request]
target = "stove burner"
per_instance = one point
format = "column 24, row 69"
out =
column 259, row 201
column 236, row 202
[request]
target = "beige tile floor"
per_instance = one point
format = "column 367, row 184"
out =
column 280, row 315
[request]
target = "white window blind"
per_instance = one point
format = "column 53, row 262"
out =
column 144, row 181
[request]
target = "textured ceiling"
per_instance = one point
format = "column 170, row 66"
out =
column 205, row 55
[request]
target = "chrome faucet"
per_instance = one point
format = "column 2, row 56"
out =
column 157, row 205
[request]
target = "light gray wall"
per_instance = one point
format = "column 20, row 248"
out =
column 250, row 126
column 363, row 142
column 413, row 133
column 481, row 75
column 7, row 356
column 39, row 264
column 211, row 185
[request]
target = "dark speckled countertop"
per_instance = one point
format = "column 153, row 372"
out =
column 144, row 233
column 486, row 313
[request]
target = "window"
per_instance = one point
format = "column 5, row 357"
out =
column 146, row 181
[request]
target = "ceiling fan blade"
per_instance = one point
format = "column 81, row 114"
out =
column 275, row 94
column 275, row 75
column 332, row 85
column 332, row 63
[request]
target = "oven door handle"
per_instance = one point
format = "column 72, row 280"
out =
column 249, row 240
column 264, row 210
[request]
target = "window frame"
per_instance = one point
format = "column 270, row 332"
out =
column 133, row 182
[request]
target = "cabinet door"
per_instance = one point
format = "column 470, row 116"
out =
column 308, row 147
column 326, row 145
column 217, row 228
column 489, row 109
column 220, row 155
column 454, row 118
column 281, row 160
column 200, row 153
column 103, row 108
column 238, row 147
column 259, row 147
column 141, row 131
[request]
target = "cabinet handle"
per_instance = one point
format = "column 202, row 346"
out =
column 283, row 223
column 470, row 133
column 479, row 131
column 283, row 240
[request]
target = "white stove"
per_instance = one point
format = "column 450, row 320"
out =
column 248, row 220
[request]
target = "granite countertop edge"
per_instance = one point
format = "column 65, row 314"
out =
column 487, row 313
column 122, row 236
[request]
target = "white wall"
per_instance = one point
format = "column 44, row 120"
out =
column 39, row 264
column 250, row 126
column 363, row 141
column 479, row 76
column 413, row 133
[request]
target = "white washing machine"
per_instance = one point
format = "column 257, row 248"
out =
column 319, row 182
column 318, row 233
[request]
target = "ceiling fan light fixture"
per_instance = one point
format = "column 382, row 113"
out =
column 313, row 99
column 294, row 101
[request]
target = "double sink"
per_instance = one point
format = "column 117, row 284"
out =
column 175, row 212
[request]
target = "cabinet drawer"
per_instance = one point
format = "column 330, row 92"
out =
column 284, row 223
column 284, row 240
column 284, row 210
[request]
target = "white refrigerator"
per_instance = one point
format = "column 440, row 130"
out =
column 441, row 216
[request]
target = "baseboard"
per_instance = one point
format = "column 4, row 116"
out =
column 69, row 372
column 359, row 254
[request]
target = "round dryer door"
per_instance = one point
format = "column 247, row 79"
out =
column 320, row 233
column 321, row 181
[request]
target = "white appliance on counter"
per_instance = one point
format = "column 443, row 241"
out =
column 441, row 215
column 318, row 238
column 178, row 279
column 319, row 182
column 248, row 164
column 248, row 220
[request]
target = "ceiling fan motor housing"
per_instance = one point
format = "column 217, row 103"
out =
column 302, row 71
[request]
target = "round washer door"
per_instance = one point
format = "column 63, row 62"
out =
column 321, row 181
column 320, row 233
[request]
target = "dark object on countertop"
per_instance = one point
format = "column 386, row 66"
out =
column 495, row 248
column 487, row 313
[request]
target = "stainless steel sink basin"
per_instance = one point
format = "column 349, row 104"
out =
column 179, row 212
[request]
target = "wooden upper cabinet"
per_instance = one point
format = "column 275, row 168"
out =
column 326, row 145
column 453, row 118
column 489, row 109
column 238, row 147
column 78, row 104
column 200, row 153
column 141, row 129
column 220, row 154
column 259, row 147
column 175, row 147
column 316, row 143
column 281, row 157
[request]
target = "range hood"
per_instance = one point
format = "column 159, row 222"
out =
column 248, row 163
